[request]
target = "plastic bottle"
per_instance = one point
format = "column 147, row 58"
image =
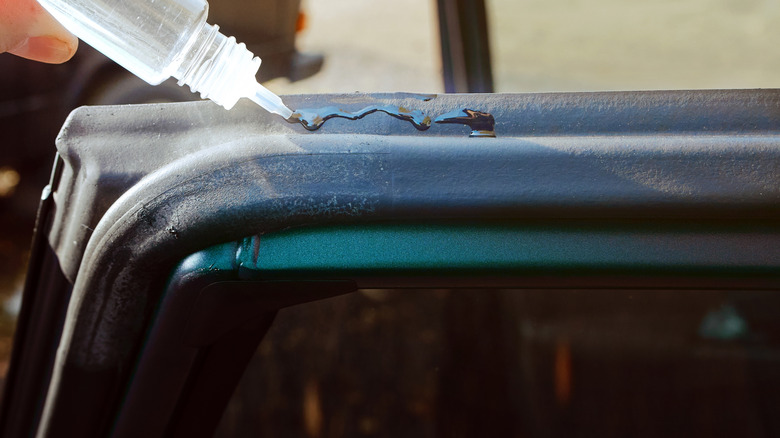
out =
column 157, row 39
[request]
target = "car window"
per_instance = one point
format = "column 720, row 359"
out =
column 441, row 363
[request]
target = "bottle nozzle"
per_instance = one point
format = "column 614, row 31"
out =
column 271, row 102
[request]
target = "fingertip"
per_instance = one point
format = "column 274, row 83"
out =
column 49, row 49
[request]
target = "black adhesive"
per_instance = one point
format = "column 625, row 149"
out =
column 425, row 97
column 313, row 119
column 482, row 124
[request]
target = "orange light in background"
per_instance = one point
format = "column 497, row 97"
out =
column 300, row 24
column 563, row 372
column 9, row 179
column 312, row 409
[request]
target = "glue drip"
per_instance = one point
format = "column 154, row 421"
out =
column 482, row 124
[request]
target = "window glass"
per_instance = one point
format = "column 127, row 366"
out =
column 547, row 363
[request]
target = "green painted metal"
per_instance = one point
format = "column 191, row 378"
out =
column 500, row 249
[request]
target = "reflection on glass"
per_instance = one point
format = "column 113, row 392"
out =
column 553, row 363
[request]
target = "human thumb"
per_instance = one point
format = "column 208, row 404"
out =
column 27, row 30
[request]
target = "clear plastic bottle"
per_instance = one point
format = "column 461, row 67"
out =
column 157, row 39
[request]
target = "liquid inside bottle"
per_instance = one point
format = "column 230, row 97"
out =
column 157, row 39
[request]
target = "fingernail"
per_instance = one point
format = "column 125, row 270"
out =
column 45, row 49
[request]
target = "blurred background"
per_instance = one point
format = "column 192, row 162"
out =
column 460, row 363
